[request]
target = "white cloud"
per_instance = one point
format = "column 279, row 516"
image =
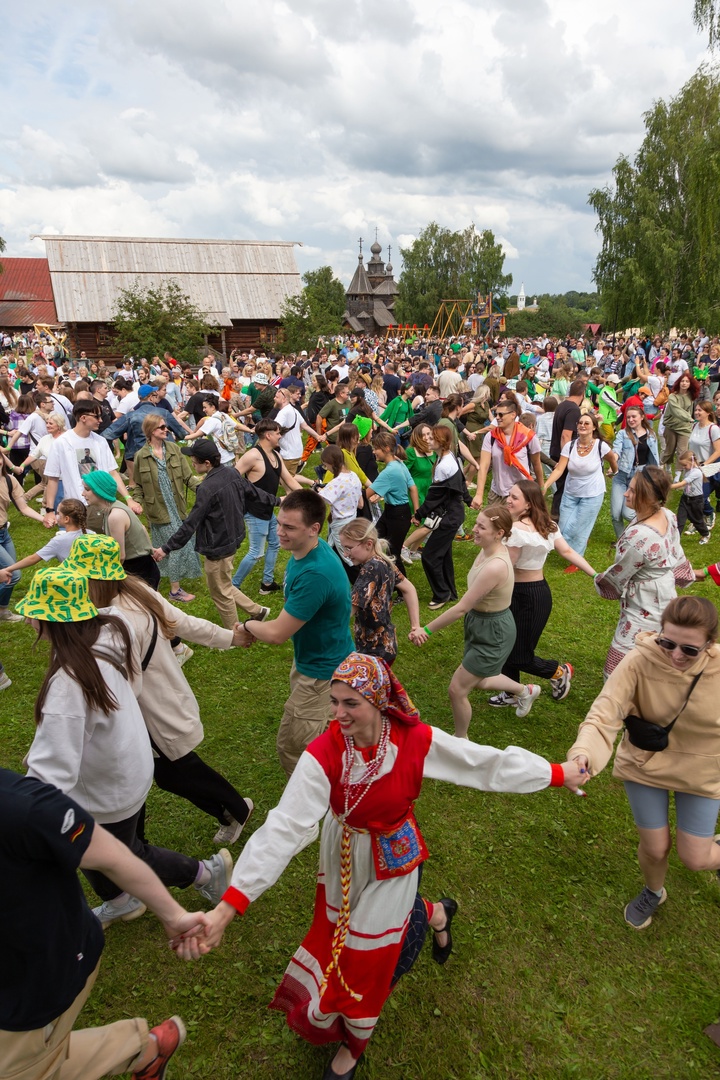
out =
column 319, row 121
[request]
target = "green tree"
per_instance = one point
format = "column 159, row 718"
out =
column 316, row 310
column 659, row 265
column 147, row 322
column 706, row 16
column 444, row 265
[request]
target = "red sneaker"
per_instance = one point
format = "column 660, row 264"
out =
column 170, row 1035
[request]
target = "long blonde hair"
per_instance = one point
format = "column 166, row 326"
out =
column 360, row 530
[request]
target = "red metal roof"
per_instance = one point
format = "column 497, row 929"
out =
column 26, row 295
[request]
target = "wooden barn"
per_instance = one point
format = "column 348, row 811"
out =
column 240, row 285
column 26, row 297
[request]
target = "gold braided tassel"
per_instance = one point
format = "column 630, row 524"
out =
column 343, row 923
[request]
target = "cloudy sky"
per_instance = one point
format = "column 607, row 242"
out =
column 320, row 120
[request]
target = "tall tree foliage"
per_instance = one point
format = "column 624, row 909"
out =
column 706, row 16
column 147, row 322
column 444, row 265
column 317, row 309
column 659, row 265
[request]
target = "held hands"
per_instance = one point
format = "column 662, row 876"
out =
column 158, row 554
column 418, row 635
column 49, row 519
column 192, row 945
column 135, row 506
column 577, row 773
column 242, row 638
column 5, row 576
column 477, row 503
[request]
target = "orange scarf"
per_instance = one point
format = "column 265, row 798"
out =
column 519, row 439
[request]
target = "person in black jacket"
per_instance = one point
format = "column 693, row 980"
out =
column 217, row 521
column 446, row 498
column 431, row 411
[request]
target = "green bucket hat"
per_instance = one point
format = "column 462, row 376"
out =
column 363, row 424
column 57, row 595
column 102, row 483
column 97, row 557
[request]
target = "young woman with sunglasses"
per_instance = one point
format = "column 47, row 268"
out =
column 649, row 563
column 673, row 675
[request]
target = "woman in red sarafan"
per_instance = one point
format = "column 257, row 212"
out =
column 362, row 776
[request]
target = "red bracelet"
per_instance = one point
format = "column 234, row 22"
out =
column 557, row 776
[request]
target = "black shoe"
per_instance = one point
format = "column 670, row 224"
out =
column 330, row 1073
column 440, row 953
column 270, row 587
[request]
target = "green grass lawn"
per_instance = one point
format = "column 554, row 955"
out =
column 546, row 980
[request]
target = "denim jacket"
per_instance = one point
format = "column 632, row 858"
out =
column 624, row 447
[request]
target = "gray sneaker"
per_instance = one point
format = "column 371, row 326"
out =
column 229, row 833
column 639, row 912
column 220, row 867
column 109, row 913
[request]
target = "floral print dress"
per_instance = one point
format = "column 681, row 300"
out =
column 648, row 568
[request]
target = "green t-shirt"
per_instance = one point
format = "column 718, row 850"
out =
column 334, row 413
column 317, row 591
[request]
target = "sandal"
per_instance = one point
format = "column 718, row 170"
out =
column 440, row 953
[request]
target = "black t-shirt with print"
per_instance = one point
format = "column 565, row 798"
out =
column 52, row 940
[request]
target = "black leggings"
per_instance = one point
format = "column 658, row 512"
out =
column 530, row 607
column 171, row 867
column 393, row 526
column 193, row 779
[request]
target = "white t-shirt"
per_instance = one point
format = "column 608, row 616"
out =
column 43, row 447
column 343, row 494
column 62, row 403
column 212, row 428
column 71, row 457
column 128, row 402
column 446, row 467
column 59, row 547
column 585, row 477
column 676, row 367
column 291, row 446
column 34, row 426
column 475, row 381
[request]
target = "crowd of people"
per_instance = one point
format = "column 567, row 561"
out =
column 159, row 471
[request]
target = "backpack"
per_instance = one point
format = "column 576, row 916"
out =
column 229, row 439
column 662, row 397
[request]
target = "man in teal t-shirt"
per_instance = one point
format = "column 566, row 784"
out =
column 316, row 616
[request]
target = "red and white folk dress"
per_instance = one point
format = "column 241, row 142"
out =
column 332, row 1000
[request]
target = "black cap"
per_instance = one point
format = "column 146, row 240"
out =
column 202, row 450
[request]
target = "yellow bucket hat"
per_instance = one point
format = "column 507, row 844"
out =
column 96, row 557
column 57, row 595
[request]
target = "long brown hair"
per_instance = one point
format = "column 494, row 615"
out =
column 102, row 594
column 537, row 511
column 385, row 441
column 71, row 651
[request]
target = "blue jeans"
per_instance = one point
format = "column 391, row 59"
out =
column 577, row 517
column 7, row 558
column 258, row 532
column 619, row 510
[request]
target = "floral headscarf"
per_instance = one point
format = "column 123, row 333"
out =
column 372, row 678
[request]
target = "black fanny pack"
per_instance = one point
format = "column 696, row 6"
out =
column 649, row 736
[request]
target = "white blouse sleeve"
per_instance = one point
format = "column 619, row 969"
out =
column 286, row 831
column 484, row 768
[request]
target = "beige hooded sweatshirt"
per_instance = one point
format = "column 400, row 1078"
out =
column 644, row 683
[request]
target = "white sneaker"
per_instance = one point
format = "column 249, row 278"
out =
column 525, row 703
column 220, row 867
column 498, row 701
column 10, row 616
column 5, row 681
column 228, row 834
column 407, row 555
column 109, row 913
column 184, row 654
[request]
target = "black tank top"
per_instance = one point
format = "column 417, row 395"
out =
column 270, row 479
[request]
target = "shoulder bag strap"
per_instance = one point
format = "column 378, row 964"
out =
column 693, row 684
column 153, row 642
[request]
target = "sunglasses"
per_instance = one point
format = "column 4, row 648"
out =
column 161, row 427
column 686, row 650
